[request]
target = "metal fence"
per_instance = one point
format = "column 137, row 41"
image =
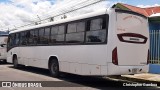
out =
column 155, row 46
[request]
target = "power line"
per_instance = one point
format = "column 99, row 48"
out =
column 77, row 8
column 64, row 9
column 72, row 9
column 80, row 3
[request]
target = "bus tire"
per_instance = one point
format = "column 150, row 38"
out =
column 54, row 68
column 4, row 61
column 15, row 62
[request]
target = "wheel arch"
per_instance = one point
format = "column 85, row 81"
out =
column 51, row 58
column 14, row 55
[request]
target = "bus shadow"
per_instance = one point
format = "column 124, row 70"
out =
column 33, row 70
column 84, row 81
column 3, row 63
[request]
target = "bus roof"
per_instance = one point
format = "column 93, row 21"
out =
column 100, row 12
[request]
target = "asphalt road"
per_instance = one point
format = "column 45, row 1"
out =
column 66, row 82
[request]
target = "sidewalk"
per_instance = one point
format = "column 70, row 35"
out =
column 144, row 77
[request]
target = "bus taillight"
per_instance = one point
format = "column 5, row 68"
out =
column 114, row 56
column 148, row 57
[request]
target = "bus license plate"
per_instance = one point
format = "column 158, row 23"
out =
column 134, row 70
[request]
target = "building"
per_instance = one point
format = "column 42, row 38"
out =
column 153, row 14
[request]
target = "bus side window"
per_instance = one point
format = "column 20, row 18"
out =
column 30, row 36
column 57, row 34
column 10, row 41
column 96, row 24
column 80, row 26
column 35, row 37
column 47, row 35
column 41, row 36
column 61, row 34
column 61, row 29
column 75, row 33
column 97, row 30
column 23, row 39
column 54, row 32
column 17, row 38
column 71, row 27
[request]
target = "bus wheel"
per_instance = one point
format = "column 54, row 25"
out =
column 54, row 68
column 4, row 61
column 15, row 62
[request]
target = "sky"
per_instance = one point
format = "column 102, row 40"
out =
column 15, row 13
column 139, row 2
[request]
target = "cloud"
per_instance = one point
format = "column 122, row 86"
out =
column 15, row 13
column 145, row 6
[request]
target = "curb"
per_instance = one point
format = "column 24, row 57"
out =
column 135, row 80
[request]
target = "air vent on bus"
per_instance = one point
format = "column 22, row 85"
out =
column 114, row 56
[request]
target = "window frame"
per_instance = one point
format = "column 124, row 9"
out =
column 49, row 36
column 57, row 25
column 23, row 38
column 75, row 22
column 106, row 17
column 17, row 36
